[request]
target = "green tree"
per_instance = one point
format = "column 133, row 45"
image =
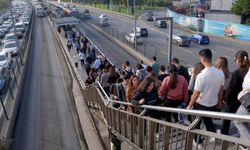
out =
column 3, row 4
column 242, row 7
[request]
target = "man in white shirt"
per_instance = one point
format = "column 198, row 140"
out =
column 208, row 90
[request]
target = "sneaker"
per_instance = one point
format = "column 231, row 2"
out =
column 197, row 145
column 211, row 139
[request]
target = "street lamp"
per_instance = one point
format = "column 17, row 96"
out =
column 135, row 37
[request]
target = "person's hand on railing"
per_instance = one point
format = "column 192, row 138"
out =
column 142, row 101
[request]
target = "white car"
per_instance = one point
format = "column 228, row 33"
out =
column 5, row 59
column 103, row 17
column 9, row 37
column 10, row 47
column 131, row 38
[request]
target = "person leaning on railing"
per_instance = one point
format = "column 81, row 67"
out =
column 146, row 94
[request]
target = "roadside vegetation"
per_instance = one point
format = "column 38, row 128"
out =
column 242, row 7
column 3, row 4
column 126, row 6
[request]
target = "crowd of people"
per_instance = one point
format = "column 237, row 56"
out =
column 208, row 87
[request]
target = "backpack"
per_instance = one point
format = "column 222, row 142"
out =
column 129, row 72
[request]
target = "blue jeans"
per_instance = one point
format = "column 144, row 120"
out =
column 243, row 127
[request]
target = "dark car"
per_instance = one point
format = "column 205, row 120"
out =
column 161, row 24
column 199, row 38
column 181, row 40
column 149, row 18
column 2, row 34
column 142, row 31
column 19, row 33
column 4, row 79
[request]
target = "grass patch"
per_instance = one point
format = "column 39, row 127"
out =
column 3, row 4
column 122, row 9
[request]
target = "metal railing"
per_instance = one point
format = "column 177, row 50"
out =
column 143, row 132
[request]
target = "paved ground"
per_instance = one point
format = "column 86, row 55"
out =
column 46, row 119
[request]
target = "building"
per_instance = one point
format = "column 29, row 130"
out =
column 222, row 5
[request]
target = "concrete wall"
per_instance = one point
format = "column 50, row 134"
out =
column 223, row 17
column 221, row 4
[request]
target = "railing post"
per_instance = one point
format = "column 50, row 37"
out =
column 115, row 143
column 189, row 141
column 4, row 109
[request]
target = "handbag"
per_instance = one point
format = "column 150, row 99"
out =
column 245, row 101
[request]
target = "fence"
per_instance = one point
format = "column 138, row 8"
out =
column 241, row 32
column 13, row 76
column 143, row 132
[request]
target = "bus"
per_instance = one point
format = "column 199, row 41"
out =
column 39, row 11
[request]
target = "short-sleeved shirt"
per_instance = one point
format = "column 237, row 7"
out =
column 209, row 82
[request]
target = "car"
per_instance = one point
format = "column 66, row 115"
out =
column 20, row 25
column 11, row 47
column 4, row 79
column 9, row 37
column 131, row 38
column 103, row 17
column 181, row 40
column 87, row 13
column 19, row 33
column 161, row 24
column 2, row 34
column 25, row 21
column 142, row 31
column 199, row 38
column 4, row 29
column 5, row 59
column 103, row 22
column 149, row 18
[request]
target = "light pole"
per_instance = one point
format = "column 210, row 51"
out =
column 110, row 4
column 135, row 38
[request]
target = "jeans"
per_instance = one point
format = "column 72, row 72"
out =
column 243, row 127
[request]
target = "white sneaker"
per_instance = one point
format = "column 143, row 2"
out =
column 211, row 139
column 195, row 144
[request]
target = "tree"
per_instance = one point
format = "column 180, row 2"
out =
column 242, row 7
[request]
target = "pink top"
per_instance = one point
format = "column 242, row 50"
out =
column 180, row 91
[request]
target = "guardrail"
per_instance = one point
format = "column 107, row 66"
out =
column 143, row 132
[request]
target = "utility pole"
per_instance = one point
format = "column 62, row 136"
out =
column 170, row 36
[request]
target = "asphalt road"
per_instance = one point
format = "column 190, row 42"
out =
column 157, row 40
column 112, row 51
column 45, row 118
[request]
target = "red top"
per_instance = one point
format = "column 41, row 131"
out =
column 180, row 91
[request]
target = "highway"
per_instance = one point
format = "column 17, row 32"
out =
column 112, row 51
column 220, row 46
column 46, row 117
